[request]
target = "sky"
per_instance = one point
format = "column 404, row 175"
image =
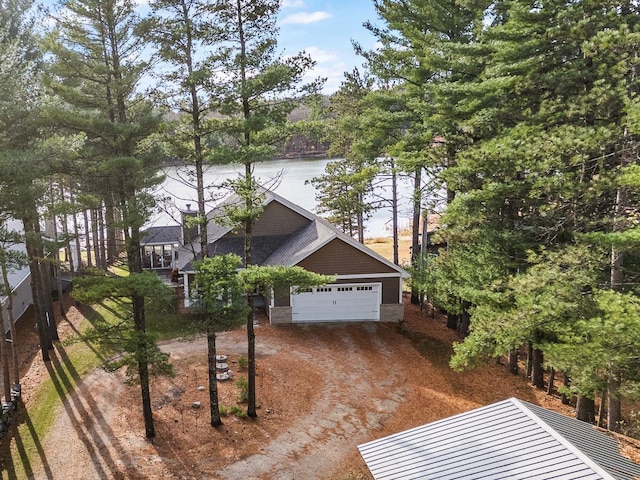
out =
column 324, row 29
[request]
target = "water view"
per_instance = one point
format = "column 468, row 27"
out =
column 287, row 178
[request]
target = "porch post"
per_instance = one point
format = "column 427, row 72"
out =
column 187, row 297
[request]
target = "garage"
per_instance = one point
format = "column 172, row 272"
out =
column 338, row 303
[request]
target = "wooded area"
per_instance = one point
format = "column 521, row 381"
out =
column 522, row 115
column 525, row 117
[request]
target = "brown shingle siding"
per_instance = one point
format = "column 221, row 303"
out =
column 277, row 219
column 339, row 258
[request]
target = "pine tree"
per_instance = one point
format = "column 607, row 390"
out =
column 254, row 90
column 96, row 72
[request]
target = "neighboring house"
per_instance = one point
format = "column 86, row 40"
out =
column 20, row 281
column 367, row 288
column 508, row 440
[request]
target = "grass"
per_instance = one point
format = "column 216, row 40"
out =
column 70, row 361
column 67, row 367
column 165, row 324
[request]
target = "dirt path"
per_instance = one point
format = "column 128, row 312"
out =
column 322, row 390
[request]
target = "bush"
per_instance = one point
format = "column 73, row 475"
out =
column 238, row 412
column 243, row 385
column 243, row 362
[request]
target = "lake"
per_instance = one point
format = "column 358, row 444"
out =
column 287, row 178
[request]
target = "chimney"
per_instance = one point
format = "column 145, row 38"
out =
column 189, row 231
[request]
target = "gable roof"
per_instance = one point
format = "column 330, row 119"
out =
column 162, row 235
column 507, row 440
column 302, row 243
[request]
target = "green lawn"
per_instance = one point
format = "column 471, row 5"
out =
column 70, row 360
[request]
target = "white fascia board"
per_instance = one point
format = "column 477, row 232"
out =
column 563, row 441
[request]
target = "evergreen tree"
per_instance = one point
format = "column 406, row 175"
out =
column 96, row 71
column 423, row 55
column 21, row 185
column 182, row 33
column 11, row 259
column 549, row 115
column 254, row 90
column 223, row 307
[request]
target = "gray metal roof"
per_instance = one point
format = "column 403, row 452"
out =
column 508, row 440
column 164, row 235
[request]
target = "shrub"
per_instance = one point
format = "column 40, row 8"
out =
column 243, row 385
column 238, row 412
column 243, row 362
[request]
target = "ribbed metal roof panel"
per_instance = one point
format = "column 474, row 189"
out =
column 506, row 440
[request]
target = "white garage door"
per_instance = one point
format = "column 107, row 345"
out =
column 334, row 303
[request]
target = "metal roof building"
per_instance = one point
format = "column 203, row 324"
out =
column 508, row 440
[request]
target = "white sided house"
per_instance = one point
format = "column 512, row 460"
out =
column 20, row 281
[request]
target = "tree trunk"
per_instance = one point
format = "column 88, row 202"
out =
column 614, row 415
column 36, row 288
column 134, row 262
column 602, row 416
column 512, row 362
column 48, row 300
column 96, row 237
column 452, row 321
column 251, row 363
column 214, row 407
column 566, row 382
column 251, row 336
column 585, row 409
column 12, row 325
column 110, row 215
column 415, row 227
column 360, row 220
column 143, row 365
column 550, row 385
column 57, row 268
column 65, row 231
column 464, row 324
column 537, row 371
column 529, row 359
column 87, row 241
column 102, row 248
column 394, row 212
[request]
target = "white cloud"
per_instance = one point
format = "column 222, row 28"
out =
column 320, row 55
column 333, row 73
column 292, row 3
column 304, row 18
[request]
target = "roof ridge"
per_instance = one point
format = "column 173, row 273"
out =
column 523, row 407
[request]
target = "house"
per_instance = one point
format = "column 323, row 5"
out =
column 368, row 287
column 510, row 440
column 20, row 281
